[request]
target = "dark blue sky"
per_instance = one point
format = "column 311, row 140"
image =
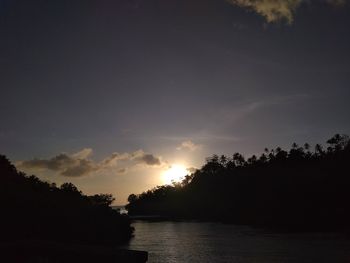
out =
column 128, row 75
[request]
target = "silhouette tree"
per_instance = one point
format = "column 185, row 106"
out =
column 297, row 189
column 319, row 150
column 33, row 209
column 238, row 159
column 102, row 199
column 132, row 198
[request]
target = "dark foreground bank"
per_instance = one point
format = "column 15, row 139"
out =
column 39, row 251
column 70, row 226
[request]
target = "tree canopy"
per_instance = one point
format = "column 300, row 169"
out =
column 295, row 188
column 33, row 209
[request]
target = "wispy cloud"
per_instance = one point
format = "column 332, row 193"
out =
column 278, row 10
column 234, row 113
column 272, row 10
column 188, row 145
column 337, row 3
column 80, row 163
column 83, row 154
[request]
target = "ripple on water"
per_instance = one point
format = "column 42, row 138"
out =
column 214, row 242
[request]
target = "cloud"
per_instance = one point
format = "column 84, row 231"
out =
column 84, row 167
column 64, row 164
column 278, row 10
column 188, row 145
column 150, row 159
column 114, row 158
column 272, row 10
column 235, row 113
column 145, row 158
column 80, row 164
column 83, row 154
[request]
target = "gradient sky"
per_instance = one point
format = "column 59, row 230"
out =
column 108, row 94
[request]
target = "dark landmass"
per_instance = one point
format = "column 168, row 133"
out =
column 35, row 210
column 297, row 189
column 39, row 251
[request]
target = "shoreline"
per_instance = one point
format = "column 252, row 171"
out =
column 278, row 228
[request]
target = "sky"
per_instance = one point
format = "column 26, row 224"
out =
column 112, row 95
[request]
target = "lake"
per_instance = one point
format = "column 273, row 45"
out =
column 214, row 242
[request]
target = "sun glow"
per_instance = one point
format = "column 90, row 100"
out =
column 174, row 174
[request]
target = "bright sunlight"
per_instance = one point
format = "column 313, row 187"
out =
column 175, row 173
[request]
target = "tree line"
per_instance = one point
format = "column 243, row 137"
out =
column 32, row 209
column 301, row 188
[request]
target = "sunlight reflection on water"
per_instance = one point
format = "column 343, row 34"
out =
column 213, row 242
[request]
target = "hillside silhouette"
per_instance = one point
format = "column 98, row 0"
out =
column 297, row 189
column 35, row 210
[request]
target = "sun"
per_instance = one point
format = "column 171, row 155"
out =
column 174, row 174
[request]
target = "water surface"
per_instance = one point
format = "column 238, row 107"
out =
column 214, row 242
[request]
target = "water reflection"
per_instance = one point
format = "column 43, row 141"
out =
column 213, row 242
